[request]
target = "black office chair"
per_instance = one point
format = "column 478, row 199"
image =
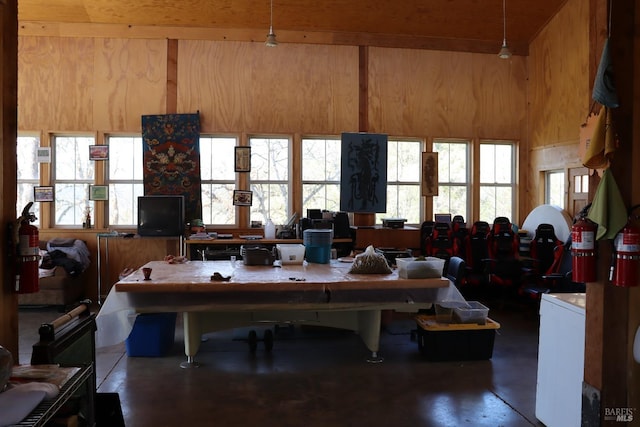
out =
column 456, row 270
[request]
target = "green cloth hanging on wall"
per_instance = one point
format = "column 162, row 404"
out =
column 608, row 209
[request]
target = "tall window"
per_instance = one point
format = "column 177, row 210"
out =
column 125, row 179
column 218, row 179
column 28, row 174
column 497, row 180
column 72, row 175
column 403, row 181
column 320, row 174
column 554, row 188
column 454, row 186
column 270, row 179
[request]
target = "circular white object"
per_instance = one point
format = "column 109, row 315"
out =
column 549, row 214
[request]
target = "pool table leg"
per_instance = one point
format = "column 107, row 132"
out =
column 369, row 329
column 192, row 338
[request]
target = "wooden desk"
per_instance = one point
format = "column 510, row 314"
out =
column 319, row 294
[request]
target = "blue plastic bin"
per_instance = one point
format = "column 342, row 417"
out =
column 152, row 335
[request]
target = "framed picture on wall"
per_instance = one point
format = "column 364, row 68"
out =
column 243, row 159
column 98, row 192
column 242, row 198
column 429, row 174
column 43, row 194
column 98, row 152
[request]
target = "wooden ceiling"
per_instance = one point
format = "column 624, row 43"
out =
column 460, row 25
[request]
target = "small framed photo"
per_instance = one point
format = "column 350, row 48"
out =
column 43, row 154
column 242, row 198
column 98, row 192
column 429, row 174
column 43, row 194
column 98, row 152
column 243, row 159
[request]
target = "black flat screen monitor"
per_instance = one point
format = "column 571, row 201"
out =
column 161, row 215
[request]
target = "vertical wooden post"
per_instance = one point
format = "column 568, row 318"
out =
column 8, row 137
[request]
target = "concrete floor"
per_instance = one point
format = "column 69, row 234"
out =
column 320, row 377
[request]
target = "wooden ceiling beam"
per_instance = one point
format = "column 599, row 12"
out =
column 56, row 29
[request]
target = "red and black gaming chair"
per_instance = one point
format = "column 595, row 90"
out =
column 440, row 242
column 477, row 254
column 459, row 232
column 505, row 267
column 545, row 251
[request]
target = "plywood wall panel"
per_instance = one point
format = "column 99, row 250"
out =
column 130, row 80
column 247, row 86
column 559, row 93
column 55, row 83
column 559, row 77
column 446, row 94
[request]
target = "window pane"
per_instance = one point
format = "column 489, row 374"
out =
column 269, row 179
column 217, row 168
column 217, row 158
column 555, row 189
column 270, row 201
column 28, row 174
column 488, row 162
column 497, row 180
column 321, row 174
column 321, row 196
column 503, row 164
column 217, row 204
column 123, row 203
column 125, row 158
column 494, row 202
column 403, row 201
column 73, row 174
column 71, row 201
column 125, row 179
column 453, row 178
column 404, row 169
column 451, row 199
column 72, row 158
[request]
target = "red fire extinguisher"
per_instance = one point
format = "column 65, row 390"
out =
column 583, row 250
column 626, row 247
column 28, row 253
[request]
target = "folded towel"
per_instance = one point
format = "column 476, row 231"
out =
column 608, row 209
column 603, row 143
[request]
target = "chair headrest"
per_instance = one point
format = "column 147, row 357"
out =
column 480, row 228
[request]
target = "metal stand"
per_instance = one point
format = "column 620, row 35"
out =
column 189, row 363
column 375, row 358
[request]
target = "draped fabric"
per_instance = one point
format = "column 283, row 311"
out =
column 171, row 158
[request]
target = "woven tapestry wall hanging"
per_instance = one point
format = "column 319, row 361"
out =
column 171, row 158
column 363, row 173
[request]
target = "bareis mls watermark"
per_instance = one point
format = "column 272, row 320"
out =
column 624, row 415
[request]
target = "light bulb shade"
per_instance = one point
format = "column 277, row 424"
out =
column 271, row 40
column 504, row 53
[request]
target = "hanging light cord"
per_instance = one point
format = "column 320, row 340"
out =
column 504, row 22
column 271, row 19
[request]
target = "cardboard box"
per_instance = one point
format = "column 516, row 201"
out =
column 448, row 342
column 152, row 335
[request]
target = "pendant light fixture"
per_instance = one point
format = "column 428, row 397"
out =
column 271, row 37
column 504, row 53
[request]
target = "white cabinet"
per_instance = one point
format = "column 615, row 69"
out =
column 561, row 360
